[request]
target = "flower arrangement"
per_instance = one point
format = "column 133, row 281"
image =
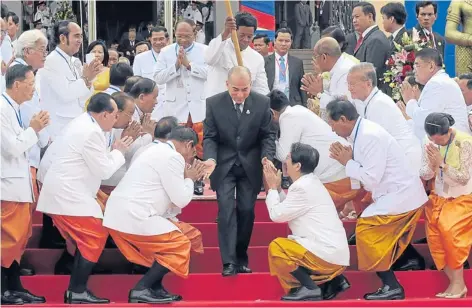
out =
column 64, row 12
column 402, row 60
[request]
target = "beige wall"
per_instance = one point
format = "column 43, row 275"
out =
column 378, row 5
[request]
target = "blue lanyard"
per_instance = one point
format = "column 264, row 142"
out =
column 355, row 137
column 68, row 63
column 91, row 118
column 115, row 88
column 367, row 105
column 445, row 155
column 186, row 50
column 153, row 55
column 110, row 139
column 18, row 114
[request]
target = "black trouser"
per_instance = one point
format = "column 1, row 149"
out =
column 209, row 32
column 235, row 221
column 302, row 37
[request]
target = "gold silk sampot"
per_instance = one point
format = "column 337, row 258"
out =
column 460, row 14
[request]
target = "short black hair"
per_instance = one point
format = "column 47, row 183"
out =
column 160, row 29
column 395, row 10
column 341, row 107
column 421, row 4
column 262, row 36
column 16, row 73
column 61, row 28
column 142, row 43
column 245, row 19
column 278, row 100
column 130, row 82
column 336, row 33
column 106, row 56
column 132, row 27
column 121, row 99
column 438, row 123
column 306, row 155
column 284, row 30
column 468, row 77
column 183, row 134
column 14, row 17
column 100, row 102
column 164, row 126
column 4, row 10
column 430, row 54
column 142, row 86
column 367, row 8
column 119, row 73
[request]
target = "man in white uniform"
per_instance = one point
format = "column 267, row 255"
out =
column 16, row 183
column 144, row 64
column 70, row 187
column 385, row 228
column 66, row 85
column 221, row 56
column 317, row 251
column 157, row 180
column 440, row 94
column 374, row 105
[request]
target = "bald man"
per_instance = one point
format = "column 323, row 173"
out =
column 238, row 139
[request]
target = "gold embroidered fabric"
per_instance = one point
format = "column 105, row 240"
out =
column 461, row 175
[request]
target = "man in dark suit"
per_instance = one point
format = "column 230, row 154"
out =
column 128, row 45
column 285, row 72
column 394, row 18
column 238, row 140
column 372, row 44
column 426, row 14
column 304, row 20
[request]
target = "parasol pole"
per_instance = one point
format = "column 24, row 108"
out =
column 234, row 35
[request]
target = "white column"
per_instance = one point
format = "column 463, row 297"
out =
column 168, row 17
column 92, row 20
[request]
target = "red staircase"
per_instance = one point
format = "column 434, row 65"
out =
column 205, row 286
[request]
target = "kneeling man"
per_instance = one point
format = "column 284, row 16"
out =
column 136, row 213
column 317, row 251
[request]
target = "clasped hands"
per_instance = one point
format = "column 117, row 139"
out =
column 341, row 153
column 182, row 59
column 434, row 156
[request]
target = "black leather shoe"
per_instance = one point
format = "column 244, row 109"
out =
column 334, row 287
column 352, row 239
column 411, row 265
column 229, row 270
column 386, row 293
column 29, row 298
column 198, row 188
column 164, row 293
column 26, row 271
column 9, row 299
column 148, row 296
column 304, row 294
column 85, row 297
column 243, row 269
column 285, row 182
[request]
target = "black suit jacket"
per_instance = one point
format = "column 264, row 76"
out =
column 376, row 49
column 226, row 138
column 351, row 41
column 440, row 41
column 295, row 74
column 398, row 38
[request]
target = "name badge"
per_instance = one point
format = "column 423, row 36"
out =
column 355, row 184
column 441, row 187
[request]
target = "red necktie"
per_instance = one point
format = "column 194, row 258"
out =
column 431, row 38
column 359, row 42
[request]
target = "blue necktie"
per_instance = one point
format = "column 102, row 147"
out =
column 282, row 71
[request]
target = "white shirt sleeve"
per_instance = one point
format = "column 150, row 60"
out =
column 14, row 145
column 283, row 210
column 179, row 190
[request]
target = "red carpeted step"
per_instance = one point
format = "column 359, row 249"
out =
column 43, row 260
column 248, row 287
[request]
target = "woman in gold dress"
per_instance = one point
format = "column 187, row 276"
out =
column 460, row 14
column 102, row 81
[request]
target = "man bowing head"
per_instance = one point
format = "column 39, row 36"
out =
column 237, row 141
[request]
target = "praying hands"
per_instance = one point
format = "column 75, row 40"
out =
column 273, row 177
column 341, row 153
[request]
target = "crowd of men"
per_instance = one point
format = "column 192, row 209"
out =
column 104, row 150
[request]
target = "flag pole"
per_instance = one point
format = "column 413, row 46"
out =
column 234, row 35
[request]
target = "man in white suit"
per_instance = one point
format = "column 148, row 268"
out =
column 440, row 93
column 70, row 187
column 181, row 67
column 385, row 228
column 16, row 183
column 66, row 85
column 317, row 251
column 221, row 56
column 136, row 213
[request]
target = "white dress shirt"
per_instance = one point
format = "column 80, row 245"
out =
column 185, row 90
column 312, row 218
column 381, row 109
column 152, row 184
column 338, row 82
column 144, row 65
column 82, row 161
column 221, row 57
column 28, row 110
column 380, row 164
column 282, row 86
column 15, row 143
column 298, row 124
column 63, row 91
column 7, row 49
column 440, row 94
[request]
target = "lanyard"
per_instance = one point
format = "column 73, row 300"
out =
column 91, row 118
column 284, row 72
column 68, row 63
column 355, row 137
column 18, row 114
column 110, row 139
column 157, row 142
column 115, row 88
column 153, row 55
column 367, row 105
column 186, row 50
column 445, row 155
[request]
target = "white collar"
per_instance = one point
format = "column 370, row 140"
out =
column 372, row 93
column 394, row 34
column 336, row 65
column 353, row 133
column 236, row 104
column 277, row 57
column 12, row 101
column 63, row 53
column 368, row 30
column 20, row 61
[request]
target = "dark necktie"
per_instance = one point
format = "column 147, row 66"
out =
column 237, row 107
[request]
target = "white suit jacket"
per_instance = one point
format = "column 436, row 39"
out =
column 144, row 65
column 311, row 216
column 440, row 94
column 63, row 91
column 185, row 90
column 154, row 181
column 380, row 164
column 221, row 57
column 338, row 82
column 81, row 163
column 15, row 143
